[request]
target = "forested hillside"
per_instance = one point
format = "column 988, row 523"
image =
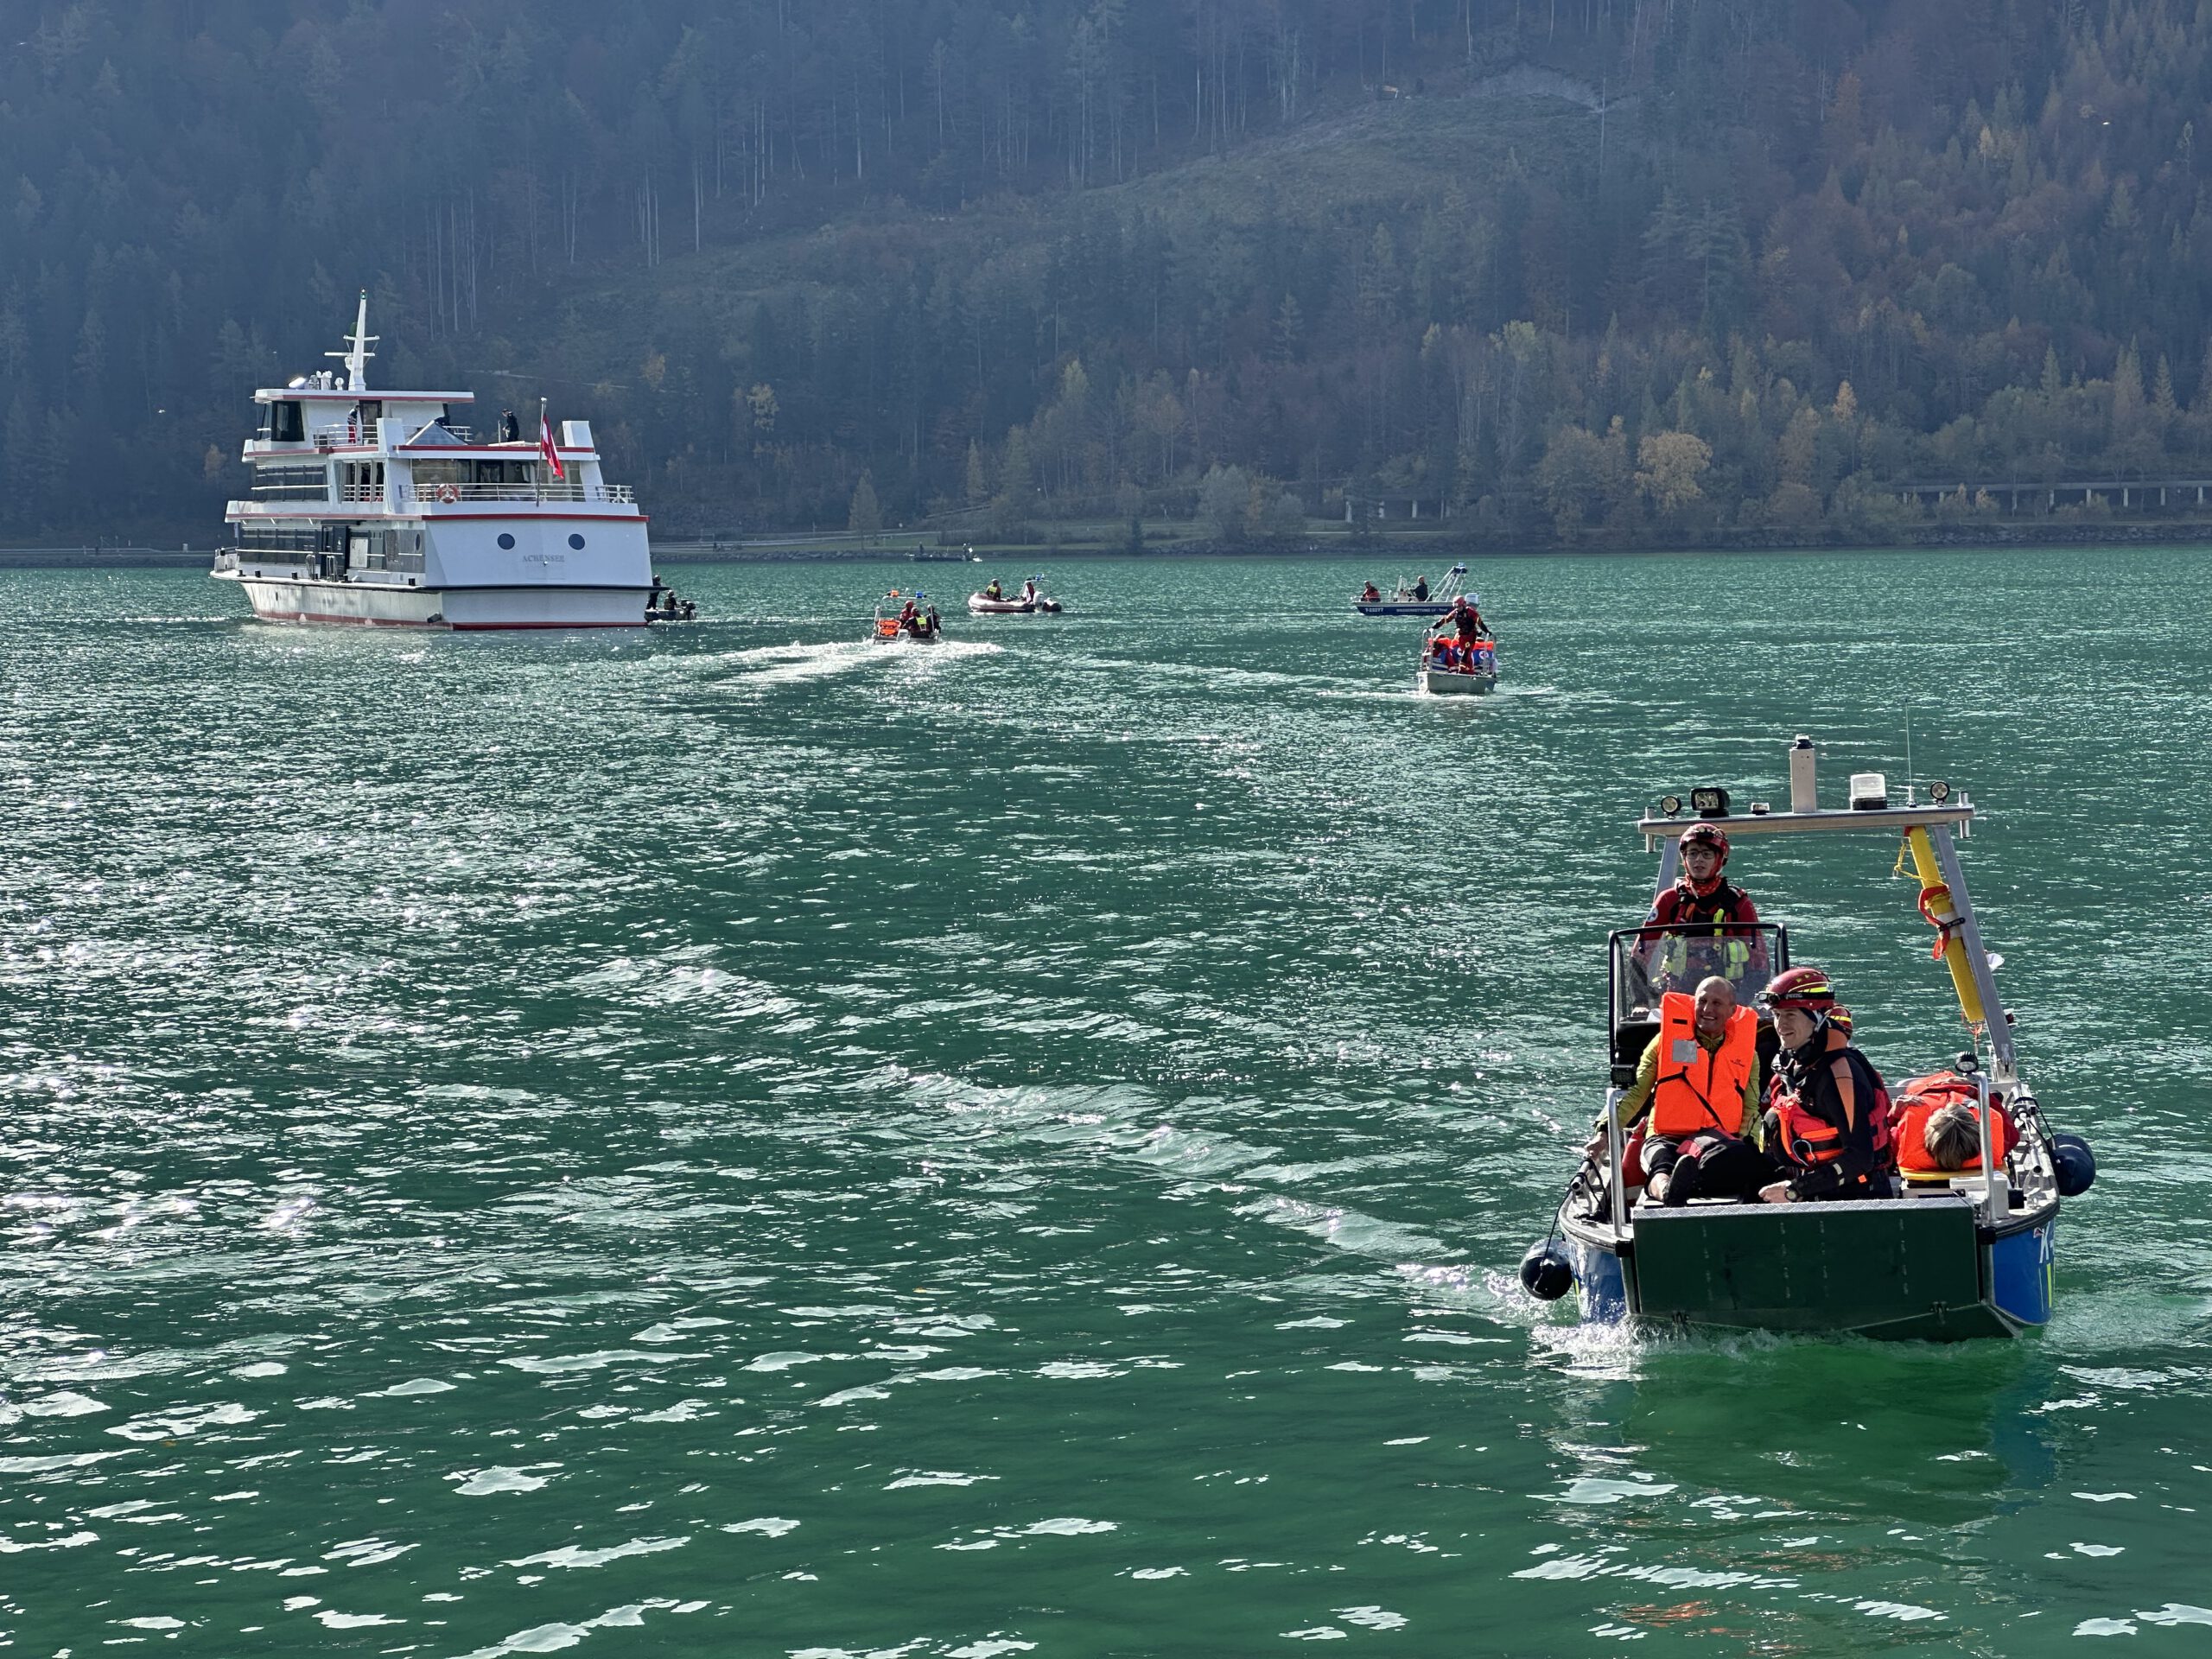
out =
column 1597, row 268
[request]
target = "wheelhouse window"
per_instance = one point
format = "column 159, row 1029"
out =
column 287, row 421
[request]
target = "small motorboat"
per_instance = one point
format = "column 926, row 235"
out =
column 1450, row 668
column 906, row 620
column 1950, row 1256
column 1402, row 601
column 1030, row 602
column 662, row 605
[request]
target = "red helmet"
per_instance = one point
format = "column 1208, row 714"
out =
column 1806, row 989
column 1704, row 834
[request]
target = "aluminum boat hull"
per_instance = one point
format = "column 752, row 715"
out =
column 1449, row 682
column 1922, row 1268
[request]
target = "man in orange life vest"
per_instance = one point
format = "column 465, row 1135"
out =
column 1827, row 1124
column 1700, row 1077
column 1703, row 904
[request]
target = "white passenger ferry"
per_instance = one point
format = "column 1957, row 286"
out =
column 378, row 507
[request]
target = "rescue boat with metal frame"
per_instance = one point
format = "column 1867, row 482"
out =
column 1474, row 680
column 1955, row 1257
column 1402, row 602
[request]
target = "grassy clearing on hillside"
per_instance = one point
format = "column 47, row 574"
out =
column 1395, row 153
column 1388, row 155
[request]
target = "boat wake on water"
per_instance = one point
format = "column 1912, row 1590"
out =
column 772, row 664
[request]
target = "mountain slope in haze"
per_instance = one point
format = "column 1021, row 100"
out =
column 1611, row 269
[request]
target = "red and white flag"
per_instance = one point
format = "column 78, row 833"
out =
column 545, row 446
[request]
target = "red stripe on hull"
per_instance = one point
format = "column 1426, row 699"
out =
column 448, row 513
column 410, row 622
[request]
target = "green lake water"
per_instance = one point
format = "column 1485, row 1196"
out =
column 735, row 1141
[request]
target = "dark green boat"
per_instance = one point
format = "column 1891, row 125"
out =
column 1950, row 1257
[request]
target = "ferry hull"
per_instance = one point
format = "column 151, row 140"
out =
column 460, row 609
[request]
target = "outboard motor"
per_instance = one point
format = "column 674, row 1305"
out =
column 2072, row 1161
column 1546, row 1273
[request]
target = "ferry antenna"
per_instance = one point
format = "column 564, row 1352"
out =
column 357, row 354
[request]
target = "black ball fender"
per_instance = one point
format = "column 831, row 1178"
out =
column 1546, row 1273
column 2075, row 1165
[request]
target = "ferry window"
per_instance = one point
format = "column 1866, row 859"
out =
column 576, row 541
column 282, row 480
column 506, row 541
column 286, row 424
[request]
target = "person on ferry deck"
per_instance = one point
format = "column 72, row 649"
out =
column 1699, row 1077
column 1827, row 1124
column 1703, row 903
column 510, row 428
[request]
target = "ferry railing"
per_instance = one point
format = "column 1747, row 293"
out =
column 362, row 435
column 451, row 494
column 360, row 493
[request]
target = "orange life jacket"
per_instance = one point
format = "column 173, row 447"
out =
column 1698, row 1088
column 1921, row 1098
column 1811, row 1139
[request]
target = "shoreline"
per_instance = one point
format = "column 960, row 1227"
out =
column 1425, row 544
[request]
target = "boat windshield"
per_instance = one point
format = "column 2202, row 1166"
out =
column 1648, row 962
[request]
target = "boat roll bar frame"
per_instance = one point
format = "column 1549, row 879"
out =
column 1927, row 831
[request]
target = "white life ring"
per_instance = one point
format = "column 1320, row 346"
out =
column 449, row 492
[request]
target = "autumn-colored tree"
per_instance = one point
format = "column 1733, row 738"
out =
column 1668, row 467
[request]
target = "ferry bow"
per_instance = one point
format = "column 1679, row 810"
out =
column 381, row 508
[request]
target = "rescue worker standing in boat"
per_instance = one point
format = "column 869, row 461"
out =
column 1703, row 903
column 1827, row 1125
column 1467, row 621
column 1700, row 1078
